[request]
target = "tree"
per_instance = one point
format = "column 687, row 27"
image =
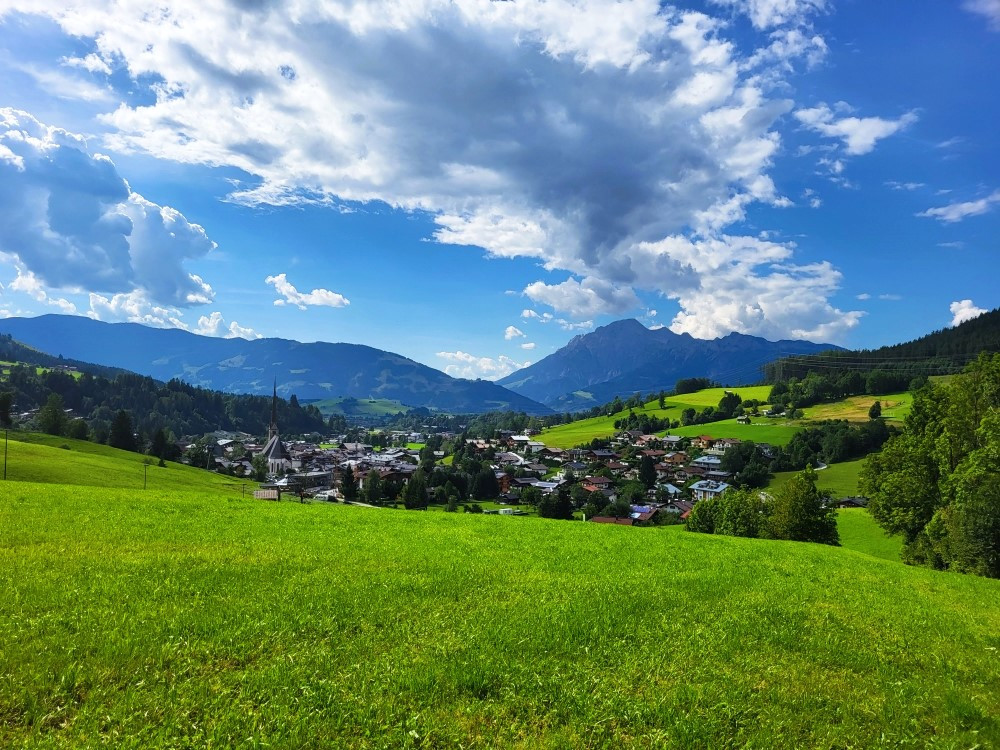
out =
column 77, row 429
column 258, row 469
column 875, row 412
column 803, row 513
column 556, row 505
column 415, row 494
column 159, row 446
column 702, row 516
column 647, row 472
column 122, row 435
column 6, row 402
column 52, row 416
column 373, row 488
column 741, row 512
column 348, row 485
column 531, row 496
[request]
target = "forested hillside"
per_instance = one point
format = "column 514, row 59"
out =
column 942, row 352
column 174, row 407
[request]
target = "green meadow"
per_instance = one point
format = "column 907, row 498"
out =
column 760, row 430
column 585, row 430
column 35, row 457
column 6, row 365
column 841, row 479
column 859, row 532
column 895, row 407
column 374, row 407
column 155, row 619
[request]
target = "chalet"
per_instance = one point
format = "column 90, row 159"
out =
column 617, row 468
column 671, row 441
column 681, row 507
column 603, row 455
column 852, row 502
column 703, row 442
column 707, row 488
column 708, row 462
column 743, row 419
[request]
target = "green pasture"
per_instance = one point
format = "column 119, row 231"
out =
column 372, row 407
column 895, row 407
column 35, row 457
column 760, row 430
column 841, row 479
column 712, row 396
column 5, row 369
column 859, row 532
column 181, row 620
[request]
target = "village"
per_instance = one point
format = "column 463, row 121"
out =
column 646, row 478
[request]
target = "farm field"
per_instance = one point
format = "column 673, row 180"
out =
column 895, row 407
column 585, row 430
column 375, row 407
column 35, row 457
column 154, row 620
column 841, row 479
column 5, row 369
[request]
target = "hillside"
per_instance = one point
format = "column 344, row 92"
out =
column 310, row 371
column 168, row 619
column 624, row 357
column 46, row 459
column 941, row 352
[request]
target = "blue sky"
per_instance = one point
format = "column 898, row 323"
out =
column 470, row 184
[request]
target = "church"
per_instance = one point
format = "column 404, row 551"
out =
column 278, row 459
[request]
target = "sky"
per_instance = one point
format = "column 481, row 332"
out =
column 472, row 183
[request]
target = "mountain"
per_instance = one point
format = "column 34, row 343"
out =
column 624, row 357
column 310, row 371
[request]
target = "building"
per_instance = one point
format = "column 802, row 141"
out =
column 707, row 488
column 278, row 458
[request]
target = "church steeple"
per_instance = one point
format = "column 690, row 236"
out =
column 272, row 430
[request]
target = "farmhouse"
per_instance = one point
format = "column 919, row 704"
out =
column 708, row 488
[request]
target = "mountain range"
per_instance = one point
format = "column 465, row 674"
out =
column 624, row 357
column 615, row 360
column 310, row 371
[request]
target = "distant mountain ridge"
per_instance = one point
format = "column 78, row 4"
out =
column 624, row 357
column 310, row 371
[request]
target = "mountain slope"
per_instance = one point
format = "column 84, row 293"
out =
column 310, row 371
column 624, row 357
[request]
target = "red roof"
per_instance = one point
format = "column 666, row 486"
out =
column 609, row 519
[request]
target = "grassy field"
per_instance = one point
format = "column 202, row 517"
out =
column 895, row 407
column 585, row 430
column 859, row 532
column 775, row 432
column 374, row 407
column 841, row 479
column 154, row 620
column 34, row 457
column 5, row 369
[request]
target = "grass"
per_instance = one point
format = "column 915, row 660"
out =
column 585, row 430
column 859, row 532
column 374, row 407
column 35, row 457
column 895, row 407
column 841, row 479
column 154, row 620
column 39, row 369
column 775, row 432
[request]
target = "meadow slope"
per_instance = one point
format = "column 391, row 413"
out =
column 133, row 619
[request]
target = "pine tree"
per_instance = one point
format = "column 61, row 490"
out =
column 121, row 435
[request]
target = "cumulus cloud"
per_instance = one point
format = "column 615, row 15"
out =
column 215, row 325
column 859, row 134
column 464, row 365
column 765, row 14
column 70, row 219
column 963, row 310
column 955, row 212
column 583, row 298
column 529, row 345
column 512, row 332
column 519, row 154
column 292, row 296
column 566, row 325
column 29, row 284
column 133, row 307
column 990, row 9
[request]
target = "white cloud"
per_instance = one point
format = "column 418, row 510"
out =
column 512, row 332
column 864, row 296
column 316, row 298
column 964, row 310
column 954, row 245
column 133, row 307
column 464, row 365
column 529, row 345
column 859, row 134
column 955, row 212
column 343, row 102
column 904, row 185
column 765, row 14
column 29, row 284
column 990, row 9
column 582, row 298
column 71, row 220
column 215, row 325
column 890, row 297
column 93, row 63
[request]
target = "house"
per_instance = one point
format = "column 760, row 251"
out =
column 852, row 502
column 610, row 519
column 708, row 462
column 707, row 488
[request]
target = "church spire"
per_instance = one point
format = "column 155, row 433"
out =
column 273, row 429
